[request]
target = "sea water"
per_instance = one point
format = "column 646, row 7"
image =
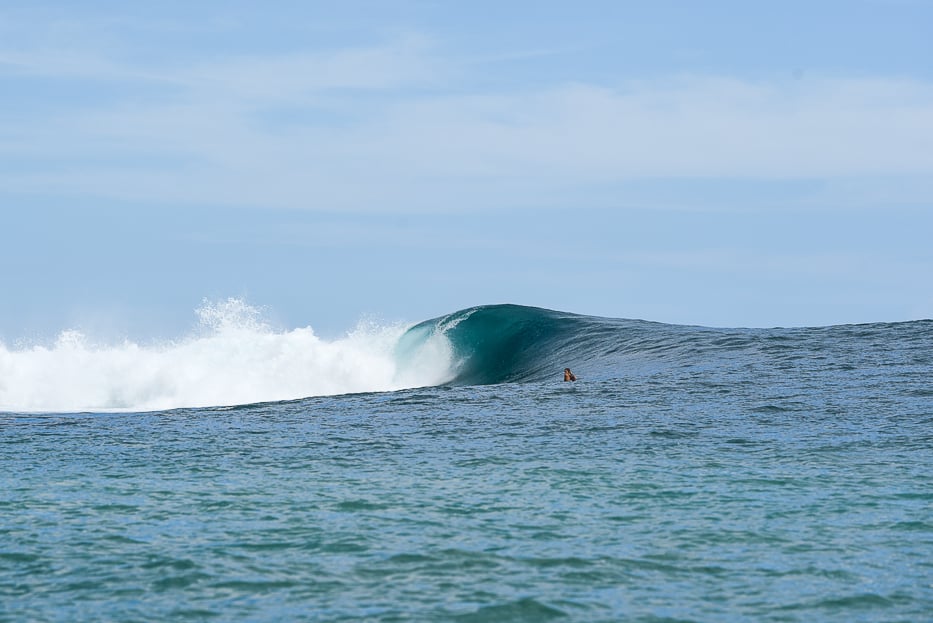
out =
column 690, row 474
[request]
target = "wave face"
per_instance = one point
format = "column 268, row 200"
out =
column 511, row 343
column 236, row 358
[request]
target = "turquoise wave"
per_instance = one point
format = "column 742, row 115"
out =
column 514, row 343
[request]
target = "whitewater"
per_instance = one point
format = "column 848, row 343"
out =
column 234, row 357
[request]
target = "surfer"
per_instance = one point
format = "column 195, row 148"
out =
column 568, row 375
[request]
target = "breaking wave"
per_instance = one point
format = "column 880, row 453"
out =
column 235, row 357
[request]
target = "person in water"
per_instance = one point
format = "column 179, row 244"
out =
column 568, row 375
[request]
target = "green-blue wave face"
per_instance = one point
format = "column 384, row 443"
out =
column 513, row 343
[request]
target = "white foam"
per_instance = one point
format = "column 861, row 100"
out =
column 234, row 358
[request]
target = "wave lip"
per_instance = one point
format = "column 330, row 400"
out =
column 510, row 343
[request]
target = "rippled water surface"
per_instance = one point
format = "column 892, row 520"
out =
column 782, row 488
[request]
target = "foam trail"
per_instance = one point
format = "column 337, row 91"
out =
column 235, row 358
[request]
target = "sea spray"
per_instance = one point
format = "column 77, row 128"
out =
column 235, row 357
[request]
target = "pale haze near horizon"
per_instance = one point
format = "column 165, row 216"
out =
column 730, row 164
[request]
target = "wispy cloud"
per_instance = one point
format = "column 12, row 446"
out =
column 287, row 79
column 387, row 127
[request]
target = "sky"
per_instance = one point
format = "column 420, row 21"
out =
column 717, row 163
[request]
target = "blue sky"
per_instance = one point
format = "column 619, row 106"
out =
column 717, row 163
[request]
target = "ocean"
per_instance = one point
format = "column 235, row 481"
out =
column 445, row 472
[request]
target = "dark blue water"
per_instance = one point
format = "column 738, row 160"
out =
column 689, row 475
